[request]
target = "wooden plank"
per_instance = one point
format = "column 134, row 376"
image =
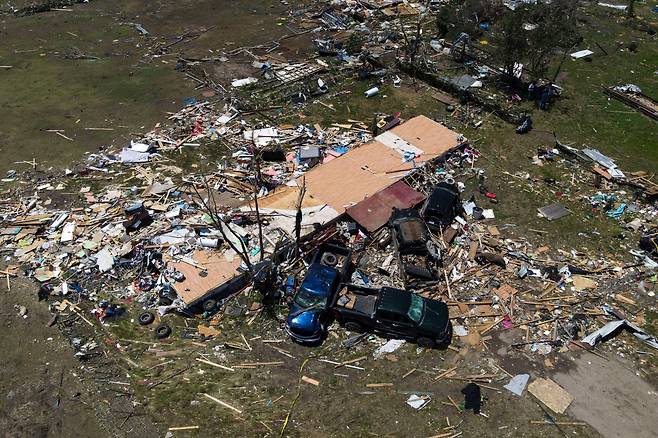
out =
column 551, row 394
column 310, row 381
column 216, row 365
column 221, row 403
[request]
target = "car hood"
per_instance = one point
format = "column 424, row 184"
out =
column 436, row 317
column 306, row 322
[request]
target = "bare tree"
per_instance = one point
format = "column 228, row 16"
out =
column 256, row 167
column 412, row 44
column 209, row 206
column 298, row 216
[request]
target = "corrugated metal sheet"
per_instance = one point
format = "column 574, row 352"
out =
column 373, row 212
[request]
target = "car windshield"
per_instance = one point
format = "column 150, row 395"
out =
column 416, row 308
column 306, row 299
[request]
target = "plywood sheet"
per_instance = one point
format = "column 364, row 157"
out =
column 285, row 197
column 426, row 134
column 219, row 271
column 364, row 171
column 551, row 394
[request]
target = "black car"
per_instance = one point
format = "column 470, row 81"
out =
column 409, row 231
column 393, row 313
column 442, row 206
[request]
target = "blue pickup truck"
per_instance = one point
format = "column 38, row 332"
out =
column 309, row 313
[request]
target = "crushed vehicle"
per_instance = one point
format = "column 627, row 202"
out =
column 309, row 317
column 418, row 256
column 410, row 233
column 441, row 206
column 393, row 313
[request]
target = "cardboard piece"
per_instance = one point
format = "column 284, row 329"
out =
column 505, row 291
column 582, row 283
column 208, row 331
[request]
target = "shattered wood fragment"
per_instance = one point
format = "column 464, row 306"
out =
column 310, row 381
column 221, row 403
column 207, row 362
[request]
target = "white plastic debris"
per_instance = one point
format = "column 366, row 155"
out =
column 261, row 137
column 132, row 156
column 581, row 54
column 613, row 6
column 67, row 232
column 59, row 221
column 372, row 91
column 173, row 213
column 139, row 147
column 208, row 242
column 173, row 237
column 242, row 82
column 104, row 260
column 388, row 347
column 418, row 401
column 488, row 214
column 468, row 207
column 517, row 384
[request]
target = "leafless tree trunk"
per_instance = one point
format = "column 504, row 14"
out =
column 413, row 47
column 209, row 206
column 298, row 216
column 630, row 10
column 257, row 178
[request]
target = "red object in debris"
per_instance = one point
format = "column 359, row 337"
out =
column 559, row 194
column 491, row 195
column 198, row 127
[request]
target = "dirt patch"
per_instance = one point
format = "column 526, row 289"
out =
column 40, row 386
column 610, row 396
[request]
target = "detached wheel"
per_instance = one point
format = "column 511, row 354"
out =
column 209, row 306
column 353, row 327
column 425, row 343
column 162, row 331
column 329, row 259
column 146, row 318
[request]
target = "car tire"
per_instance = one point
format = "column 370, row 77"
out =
column 447, row 338
column 329, row 259
column 425, row 342
column 353, row 326
column 162, row 331
column 209, row 306
column 146, row 318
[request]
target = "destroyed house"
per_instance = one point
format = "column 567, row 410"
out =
column 365, row 183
